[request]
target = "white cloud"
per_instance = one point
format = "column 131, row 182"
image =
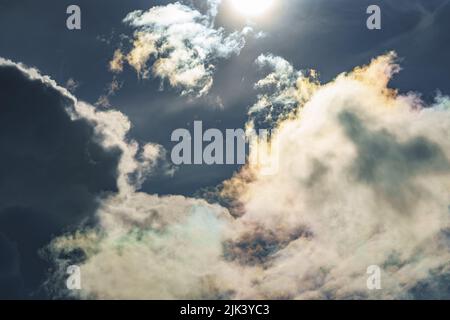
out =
column 181, row 44
column 154, row 248
column 363, row 180
column 365, row 172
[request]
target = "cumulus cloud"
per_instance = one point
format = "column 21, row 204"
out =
column 60, row 158
column 180, row 43
column 363, row 180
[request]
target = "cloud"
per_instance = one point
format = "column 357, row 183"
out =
column 284, row 91
column 363, row 180
column 60, row 158
column 52, row 168
column 72, row 85
column 113, row 87
column 116, row 64
column 181, row 44
column 151, row 248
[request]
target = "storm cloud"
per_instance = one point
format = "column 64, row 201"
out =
column 52, row 171
column 60, row 157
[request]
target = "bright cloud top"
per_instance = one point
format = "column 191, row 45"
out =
column 180, row 43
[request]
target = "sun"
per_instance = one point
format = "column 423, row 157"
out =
column 252, row 8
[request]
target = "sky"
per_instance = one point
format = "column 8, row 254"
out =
column 86, row 176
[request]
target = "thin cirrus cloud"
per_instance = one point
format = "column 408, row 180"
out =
column 363, row 180
column 179, row 44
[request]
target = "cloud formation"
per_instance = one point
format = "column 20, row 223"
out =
column 284, row 90
column 52, row 170
column 181, row 44
column 363, row 180
column 60, row 158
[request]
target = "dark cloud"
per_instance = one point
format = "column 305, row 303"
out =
column 52, row 170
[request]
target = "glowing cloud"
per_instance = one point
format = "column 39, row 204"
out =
column 363, row 180
column 182, row 45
